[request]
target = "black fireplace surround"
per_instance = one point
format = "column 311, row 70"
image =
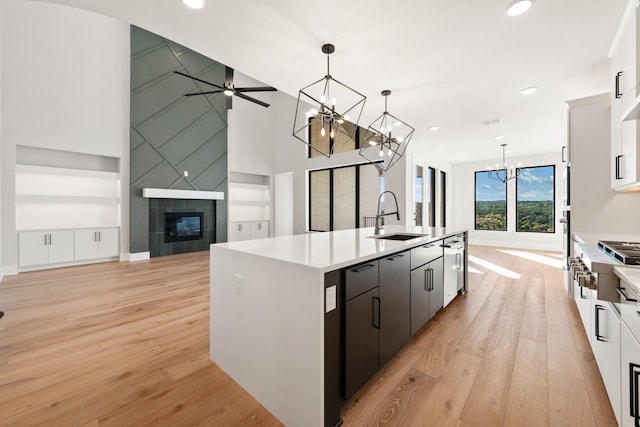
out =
column 183, row 237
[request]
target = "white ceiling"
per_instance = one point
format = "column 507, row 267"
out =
column 448, row 63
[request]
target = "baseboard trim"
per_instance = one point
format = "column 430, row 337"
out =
column 138, row 256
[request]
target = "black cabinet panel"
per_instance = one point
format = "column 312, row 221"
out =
column 332, row 352
column 436, row 295
column 427, row 293
column 361, row 278
column 395, row 304
column 419, row 298
column 425, row 253
column 361, row 340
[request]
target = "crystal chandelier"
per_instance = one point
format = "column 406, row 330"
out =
column 504, row 173
column 386, row 139
column 327, row 112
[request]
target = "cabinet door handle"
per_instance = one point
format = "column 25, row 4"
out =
column 618, row 85
column 621, row 290
column 375, row 309
column 619, row 171
column 564, row 152
column 239, row 227
column 598, row 307
column 581, row 294
column 634, row 375
column 362, row 268
column 259, row 226
column 46, row 240
column 458, row 261
column 428, row 279
column 99, row 236
column 49, row 239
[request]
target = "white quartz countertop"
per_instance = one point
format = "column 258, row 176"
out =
column 630, row 275
column 592, row 237
column 336, row 249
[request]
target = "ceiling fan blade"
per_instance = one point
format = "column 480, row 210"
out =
column 256, row 89
column 202, row 93
column 198, row 80
column 248, row 98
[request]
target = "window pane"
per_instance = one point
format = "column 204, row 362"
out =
column 371, row 186
column 491, row 203
column 418, row 185
column 341, row 142
column 535, row 197
column 319, row 200
column 431, row 197
column 344, row 198
column 443, row 199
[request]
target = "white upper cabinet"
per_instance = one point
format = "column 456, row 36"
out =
column 625, row 103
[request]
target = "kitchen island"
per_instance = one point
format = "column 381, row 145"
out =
column 277, row 320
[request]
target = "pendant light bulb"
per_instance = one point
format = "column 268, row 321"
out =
column 381, row 152
column 322, row 132
column 390, row 152
column 332, row 134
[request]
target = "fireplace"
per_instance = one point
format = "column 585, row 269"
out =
column 181, row 226
column 173, row 226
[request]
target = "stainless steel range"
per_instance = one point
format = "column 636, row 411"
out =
column 626, row 252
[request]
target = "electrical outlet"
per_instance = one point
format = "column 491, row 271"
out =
column 238, row 280
column 185, row 173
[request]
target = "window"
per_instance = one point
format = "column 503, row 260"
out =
column 418, row 188
column 344, row 197
column 431, row 196
column 490, row 203
column 535, row 195
column 340, row 143
column 443, row 199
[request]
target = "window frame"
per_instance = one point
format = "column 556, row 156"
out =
column 331, row 193
column 475, row 205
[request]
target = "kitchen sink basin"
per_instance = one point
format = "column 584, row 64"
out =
column 398, row 236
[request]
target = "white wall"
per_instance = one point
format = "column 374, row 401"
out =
column 463, row 209
column 65, row 86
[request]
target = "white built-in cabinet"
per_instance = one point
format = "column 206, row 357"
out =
column 605, row 342
column 97, row 243
column 249, row 207
column 45, row 247
column 625, row 103
column 247, row 230
column 630, row 376
column 51, row 248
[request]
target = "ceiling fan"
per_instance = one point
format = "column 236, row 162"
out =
column 229, row 88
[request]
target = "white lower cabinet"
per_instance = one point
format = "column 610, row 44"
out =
column 45, row 247
column 247, row 230
column 97, row 243
column 630, row 376
column 605, row 341
column 50, row 247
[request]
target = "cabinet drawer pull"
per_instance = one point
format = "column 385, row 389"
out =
column 362, row 268
column 376, row 312
column 634, row 374
column 392, row 258
column 458, row 261
column 618, row 85
column 427, row 246
column 598, row 307
column 621, row 290
column 428, row 279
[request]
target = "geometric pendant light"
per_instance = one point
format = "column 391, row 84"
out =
column 386, row 139
column 327, row 112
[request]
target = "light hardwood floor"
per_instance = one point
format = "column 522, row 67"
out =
column 127, row 344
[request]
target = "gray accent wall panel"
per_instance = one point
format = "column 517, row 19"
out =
column 171, row 133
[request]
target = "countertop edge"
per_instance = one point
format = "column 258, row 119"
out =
column 408, row 245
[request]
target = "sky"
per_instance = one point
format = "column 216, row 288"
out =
column 532, row 184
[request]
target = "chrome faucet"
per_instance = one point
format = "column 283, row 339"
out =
column 379, row 215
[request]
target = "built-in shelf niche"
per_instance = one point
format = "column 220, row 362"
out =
column 249, row 197
column 57, row 190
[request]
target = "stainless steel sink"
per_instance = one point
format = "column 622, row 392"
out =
column 398, row 236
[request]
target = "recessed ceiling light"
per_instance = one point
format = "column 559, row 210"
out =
column 194, row 4
column 499, row 137
column 434, row 128
column 518, row 7
column 529, row 90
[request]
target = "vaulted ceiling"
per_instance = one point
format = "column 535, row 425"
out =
column 453, row 64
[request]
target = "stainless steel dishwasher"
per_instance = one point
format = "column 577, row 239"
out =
column 453, row 267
